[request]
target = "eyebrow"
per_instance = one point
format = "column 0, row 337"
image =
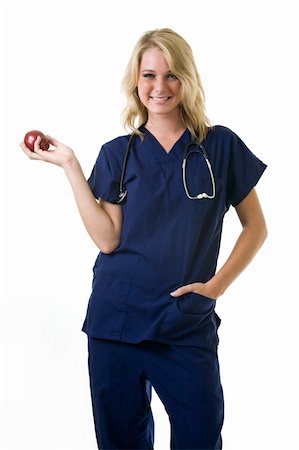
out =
column 151, row 70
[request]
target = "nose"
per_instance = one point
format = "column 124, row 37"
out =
column 159, row 85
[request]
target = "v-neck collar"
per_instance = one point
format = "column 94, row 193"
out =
column 158, row 151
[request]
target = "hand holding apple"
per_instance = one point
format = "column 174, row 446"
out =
column 60, row 154
column 32, row 136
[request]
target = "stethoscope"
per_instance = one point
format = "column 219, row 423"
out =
column 200, row 149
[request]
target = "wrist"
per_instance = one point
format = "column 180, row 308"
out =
column 71, row 164
column 215, row 287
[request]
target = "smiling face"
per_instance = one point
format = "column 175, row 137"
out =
column 158, row 88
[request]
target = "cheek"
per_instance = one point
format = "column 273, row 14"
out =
column 143, row 97
column 177, row 88
column 140, row 87
column 142, row 90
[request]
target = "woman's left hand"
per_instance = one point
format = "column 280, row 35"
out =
column 204, row 289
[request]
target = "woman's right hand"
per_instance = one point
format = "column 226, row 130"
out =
column 102, row 221
column 61, row 155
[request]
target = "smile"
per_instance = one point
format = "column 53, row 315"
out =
column 159, row 99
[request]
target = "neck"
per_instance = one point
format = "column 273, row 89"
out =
column 165, row 125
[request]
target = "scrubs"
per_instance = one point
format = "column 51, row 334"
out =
column 167, row 241
column 186, row 378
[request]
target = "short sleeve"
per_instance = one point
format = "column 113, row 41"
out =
column 102, row 180
column 244, row 172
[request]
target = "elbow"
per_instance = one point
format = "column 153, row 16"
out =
column 263, row 230
column 258, row 232
column 261, row 233
column 108, row 248
column 264, row 233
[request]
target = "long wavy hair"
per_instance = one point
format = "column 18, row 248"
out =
column 179, row 57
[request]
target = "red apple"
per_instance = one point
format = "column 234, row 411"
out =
column 31, row 137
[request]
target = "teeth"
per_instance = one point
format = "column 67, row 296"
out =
column 160, row 99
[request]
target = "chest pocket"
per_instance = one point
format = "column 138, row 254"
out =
column 202, row 210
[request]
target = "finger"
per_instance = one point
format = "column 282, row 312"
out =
column 36, row 145
column 29, row 153
column 53, row 141
column 183, row 290
column 37, row 149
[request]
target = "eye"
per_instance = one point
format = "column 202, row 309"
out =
column 148, row 75
column 171, row 76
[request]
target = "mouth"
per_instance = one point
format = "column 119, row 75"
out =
column 159, row 100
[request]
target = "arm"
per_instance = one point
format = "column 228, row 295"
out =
column 251, row 239
column 102, row 220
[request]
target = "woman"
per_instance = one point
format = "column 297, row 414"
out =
column 151, row 317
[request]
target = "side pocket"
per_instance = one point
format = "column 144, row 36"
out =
column 107, row 303
column 195, row 304
column 189, row 317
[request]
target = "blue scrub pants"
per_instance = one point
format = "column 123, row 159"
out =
column 186, row 379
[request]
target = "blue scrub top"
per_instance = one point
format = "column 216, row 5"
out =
column 167, row 240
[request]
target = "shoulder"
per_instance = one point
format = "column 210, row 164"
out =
column 224, row 140
column 116, row 143
column 114, row 149
column 220, row 132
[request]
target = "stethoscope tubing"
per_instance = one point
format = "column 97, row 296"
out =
column 200, row 196
column 122, row 193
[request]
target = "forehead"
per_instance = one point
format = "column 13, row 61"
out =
column 153, row 59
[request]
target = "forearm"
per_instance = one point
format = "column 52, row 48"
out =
column 249, row 242
column 96, row 220
column 102, row 229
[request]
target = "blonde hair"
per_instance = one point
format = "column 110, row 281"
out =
column 179, row 57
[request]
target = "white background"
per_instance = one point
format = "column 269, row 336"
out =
column 62, row 63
